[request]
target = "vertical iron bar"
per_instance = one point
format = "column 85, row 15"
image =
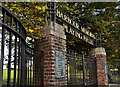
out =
column 96, row 40
column 54, row 12
column 18, row 64
column 19, row 57
column 21, row 74
column 89, row 69
column 75, row 66
column 70, row 68
column 83, row 69
column 36, row 83
column 33, row 63
column 67, row 69
column 32, row 68
column 80, row 68
column 45, row 13
column 96, row 71
column 100, row 40
column 42, row 71
column 15, row 59
column 10, row 53
column 67, row 64
column 30, row 64
column 1, row 76
column 28, row 70
column 23, row 63
column 38, row 65
column 3, row 41
column 33, row 71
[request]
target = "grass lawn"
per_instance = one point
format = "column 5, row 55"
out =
column 78, row 74
column 5, row 75
column 74, row 75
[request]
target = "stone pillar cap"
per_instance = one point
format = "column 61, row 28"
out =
column 54, row 29
column 99, row 50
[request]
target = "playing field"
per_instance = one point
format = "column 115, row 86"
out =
column 5, row 75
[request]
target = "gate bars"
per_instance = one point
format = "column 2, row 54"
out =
column 81, row 69
column 15, row 51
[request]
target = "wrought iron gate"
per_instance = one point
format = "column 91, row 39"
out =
column 16, row 56
column 81, row 69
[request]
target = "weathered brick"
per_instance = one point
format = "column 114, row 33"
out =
column 48, row 45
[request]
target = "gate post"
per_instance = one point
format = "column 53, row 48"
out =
column 102, row 75
column 53, row 40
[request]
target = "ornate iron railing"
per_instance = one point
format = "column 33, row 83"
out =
column 16, row 55
column 82, row 69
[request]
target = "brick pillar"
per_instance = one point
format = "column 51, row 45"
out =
column 102, row 74
column 54, row 38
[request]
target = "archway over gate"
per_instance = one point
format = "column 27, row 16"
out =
column 65, row 66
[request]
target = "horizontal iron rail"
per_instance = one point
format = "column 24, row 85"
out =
column 50, row 9
column 12, row 15
column 14, row 31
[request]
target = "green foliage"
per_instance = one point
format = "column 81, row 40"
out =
column 31, row 14
column 98, row 17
